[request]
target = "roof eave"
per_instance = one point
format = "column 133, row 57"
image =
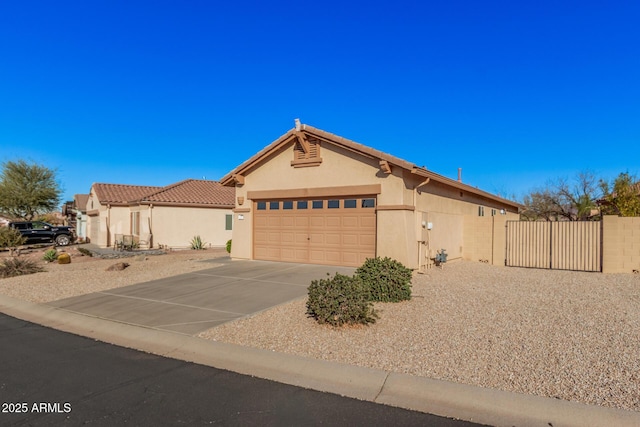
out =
column 462, row 186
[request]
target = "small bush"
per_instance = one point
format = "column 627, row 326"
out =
column 64, row 258
column 387, row 280
column 11, row 238
column 12, row 267
column 85, row 251
column 50, row 255
column 340, row 300
column 229, row 246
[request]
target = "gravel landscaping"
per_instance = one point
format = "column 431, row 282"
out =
column 567, row 335
column 88, row 274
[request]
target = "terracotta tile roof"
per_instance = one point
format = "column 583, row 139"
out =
column 122, row 193
column 194, row 192
column 80, row 201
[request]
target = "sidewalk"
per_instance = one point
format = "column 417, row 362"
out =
column 485, row 406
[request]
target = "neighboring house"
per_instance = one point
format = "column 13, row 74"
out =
column 161, row 216
column 76, row 215
column 314, row 197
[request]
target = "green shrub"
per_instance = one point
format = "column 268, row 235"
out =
column 197, row 243
column 50, row 255
column 387, row 280
column 340, row 300
column 229, row 246
column 85, row 251
column 11, row 238
column 12, row 267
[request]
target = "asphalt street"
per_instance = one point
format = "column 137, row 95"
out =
column 48, row 377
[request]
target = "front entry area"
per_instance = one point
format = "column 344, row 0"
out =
column 327, row 230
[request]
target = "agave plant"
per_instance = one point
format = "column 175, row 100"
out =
column 197, row 243
column 50, row 255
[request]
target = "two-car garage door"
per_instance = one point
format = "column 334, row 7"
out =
column 334, row 231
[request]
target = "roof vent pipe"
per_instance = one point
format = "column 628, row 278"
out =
column 459, row 174
column 298, row 126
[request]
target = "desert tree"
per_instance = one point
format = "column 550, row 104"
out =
column 622, row 196
column 28, row 189
column 564, row 200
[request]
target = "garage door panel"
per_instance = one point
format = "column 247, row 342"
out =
column 350, row 239
column 302, row 255
column 287, row 254
column 302, row 238
column 333, row 239
column 368, row 221
column 350, row 258
column 351, row 222
column 317, row 238
column 260, row 221
column 273, row 253
column 288, row 221
column 333, row 221
column 302, row 222
column 316, row 221
column 260, row 251
column 339, row 236
column 368, row 241
column 287, row 237
column 274, row 237
column 261, row 237
column 316, row 257
column 333, row 257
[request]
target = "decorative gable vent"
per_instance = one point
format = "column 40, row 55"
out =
column 306, row 151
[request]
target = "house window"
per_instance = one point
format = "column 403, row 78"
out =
column 480, row 210
column 368, row 203
column 493, row 212
column 287, row 204
column 274, row 206
column 135, row 223
column 262, row 206
column 302, row 204
column 350, row 203
column 333, row 204
column 317, row 204
column 228, row 222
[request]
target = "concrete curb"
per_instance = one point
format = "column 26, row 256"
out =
column 447, row 399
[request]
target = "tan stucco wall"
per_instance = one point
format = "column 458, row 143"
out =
column 242, row 246
column 399, row 231
column 456, row 224
column 119, row 220
column 393, row 241
column 94, row 206
column 175, row 227
column 485, row 238
column 621, row 244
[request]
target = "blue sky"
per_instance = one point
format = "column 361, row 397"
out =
column 151, row 93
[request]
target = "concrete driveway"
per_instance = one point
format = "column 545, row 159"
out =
column 194, row 302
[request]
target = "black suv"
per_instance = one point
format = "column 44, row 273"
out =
column 42, row 232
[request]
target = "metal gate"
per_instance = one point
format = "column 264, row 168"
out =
column 571, row 245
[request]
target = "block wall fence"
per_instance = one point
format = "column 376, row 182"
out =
column 485, row 241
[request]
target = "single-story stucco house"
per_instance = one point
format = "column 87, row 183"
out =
column 167, row 217
column 315, row 197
